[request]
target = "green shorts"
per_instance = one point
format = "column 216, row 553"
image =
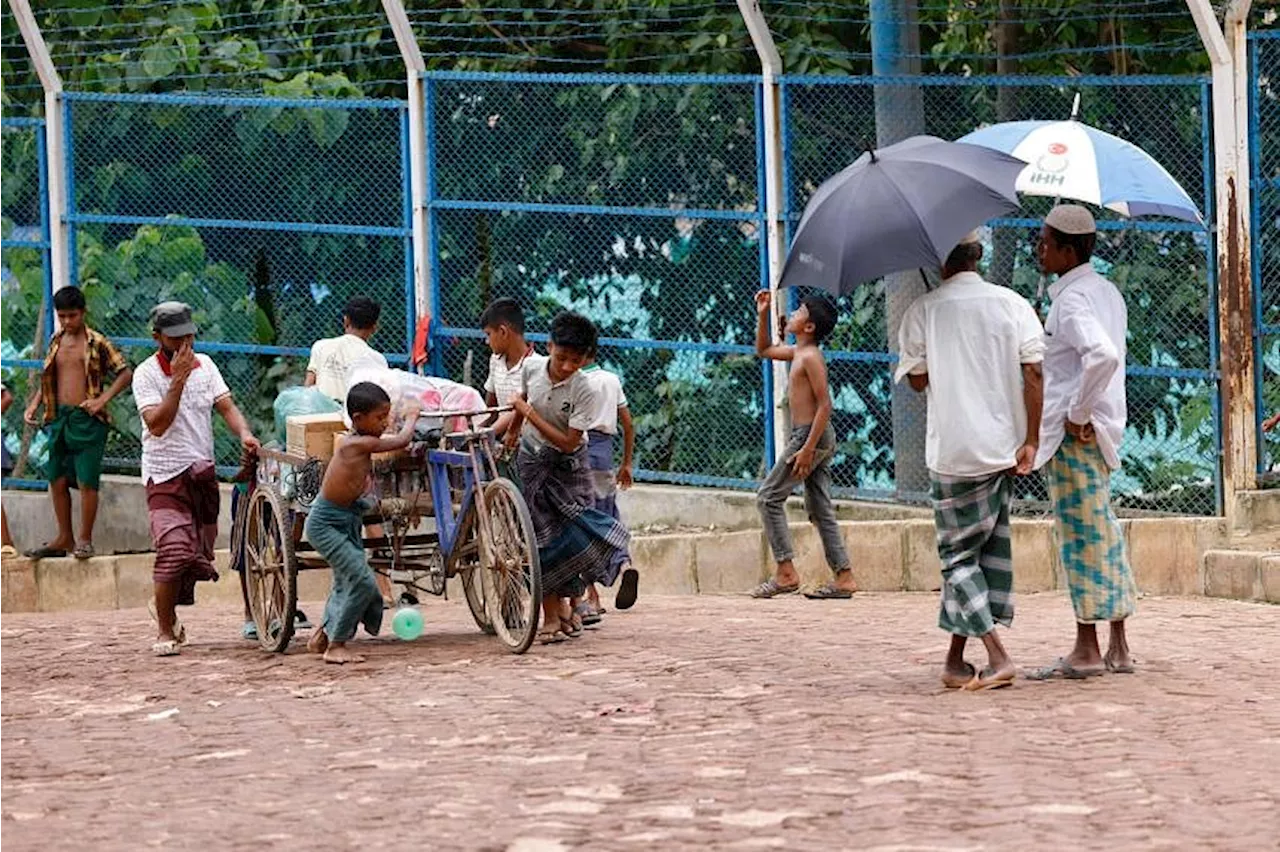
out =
column 77, row 441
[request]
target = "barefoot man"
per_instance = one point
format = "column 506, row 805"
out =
column 976, row 349
column 1084, row 419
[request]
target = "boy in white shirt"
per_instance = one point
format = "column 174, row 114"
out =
column 610, row 410
column 333, row 357
column 503, row 326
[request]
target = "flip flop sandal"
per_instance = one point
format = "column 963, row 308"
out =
column 44, row 551
column 629, row 590
column 983, row 681
column 951, row 681
column 1115, row 668
column 249, row 631
column 1064, row 670
column 8, row 551
column 829, row 592
column 770, row 589
column 571, row 627
column 300, row 620
column 551, row 637
column 83, row 551
column 167, row 648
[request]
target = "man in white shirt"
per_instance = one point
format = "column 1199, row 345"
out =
column 976, row 349
column 1084, row 419
column 177, row 391
column 333, row 357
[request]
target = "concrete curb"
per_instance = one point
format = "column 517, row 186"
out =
column 1174, row 556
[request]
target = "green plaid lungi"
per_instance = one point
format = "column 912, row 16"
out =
column 974, row 544
column 1090, row 541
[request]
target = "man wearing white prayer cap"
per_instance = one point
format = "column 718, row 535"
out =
column 1084, row 420
column 976, row 349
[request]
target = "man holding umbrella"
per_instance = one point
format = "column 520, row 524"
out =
column 976, row 349
column 1084, row 420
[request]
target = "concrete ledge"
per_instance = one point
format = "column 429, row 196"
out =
column 1174, row 556
column 1257, row 510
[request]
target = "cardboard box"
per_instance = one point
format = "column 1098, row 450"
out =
column 312, row 435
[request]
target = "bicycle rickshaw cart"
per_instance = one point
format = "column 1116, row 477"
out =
column 482, row 534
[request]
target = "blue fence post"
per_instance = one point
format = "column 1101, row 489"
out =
column 406, row 219
column 762, row 242
column 434, row 340
column 1255, row 248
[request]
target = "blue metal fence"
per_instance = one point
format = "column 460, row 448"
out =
column 636, row 199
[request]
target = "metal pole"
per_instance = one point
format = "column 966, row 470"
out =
column 775, row 240
column 55, row 140
column 1235, row 290
column 414, row 69
column 899, row 104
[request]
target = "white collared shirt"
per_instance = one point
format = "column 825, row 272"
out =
column 972, row 338
column 1084, row 362
column 607, row 399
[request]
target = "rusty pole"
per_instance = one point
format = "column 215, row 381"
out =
column 1227, row 53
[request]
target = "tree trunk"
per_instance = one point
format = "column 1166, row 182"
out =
column 895, row 49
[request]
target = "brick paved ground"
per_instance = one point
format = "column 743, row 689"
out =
column 694, row 721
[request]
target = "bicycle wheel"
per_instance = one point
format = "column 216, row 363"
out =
column 513, row 578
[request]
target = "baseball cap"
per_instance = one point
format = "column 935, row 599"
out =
column 172, row 319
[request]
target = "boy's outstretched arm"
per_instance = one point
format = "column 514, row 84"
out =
column 815, row 370
column 386, row 443
column 765, row 347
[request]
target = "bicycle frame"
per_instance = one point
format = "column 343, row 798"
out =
column 475, row 472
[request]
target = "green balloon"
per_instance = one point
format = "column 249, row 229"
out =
column 407, row 623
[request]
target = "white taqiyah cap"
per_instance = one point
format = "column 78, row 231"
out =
column 972, row 237
column 1071, row 219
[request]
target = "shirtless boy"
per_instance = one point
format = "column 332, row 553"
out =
column 807, row 457
column 74, row 391
column 333, row 524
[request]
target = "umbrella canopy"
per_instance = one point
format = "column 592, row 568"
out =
column 901, row 207
column 1069, row 159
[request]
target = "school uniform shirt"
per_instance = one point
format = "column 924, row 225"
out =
column 1084, row 363
column 333, row 357
column 608, row 397
column 189, row 438
column 505, row 384
column 972, row 338
column 569, row 404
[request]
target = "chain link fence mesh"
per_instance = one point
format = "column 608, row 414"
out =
column 265, row 215
column 558, row 191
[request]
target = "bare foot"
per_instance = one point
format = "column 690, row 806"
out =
column 319, row 642
column 339, row 654
column 954, row 677
column 844, row 581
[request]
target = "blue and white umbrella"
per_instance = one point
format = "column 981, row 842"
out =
column 1069, row 159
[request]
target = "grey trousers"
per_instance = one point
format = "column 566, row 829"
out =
column 777, row 487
